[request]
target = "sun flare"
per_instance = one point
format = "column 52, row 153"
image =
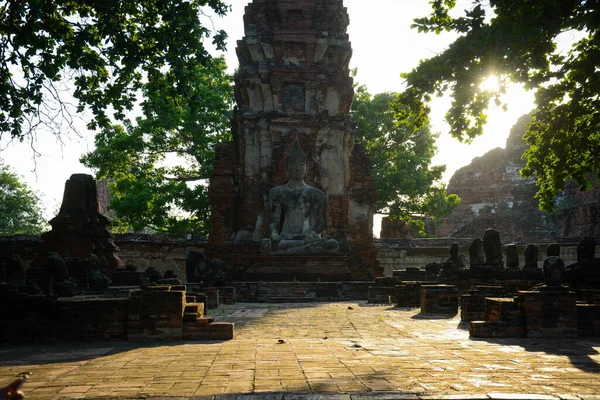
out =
column 490, row 84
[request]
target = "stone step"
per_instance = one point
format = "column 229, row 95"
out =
column 190, row 298
column 196, row 308
column 190, row 317
column 208, row 330
column 496, row 329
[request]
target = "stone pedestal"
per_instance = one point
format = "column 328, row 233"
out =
column 408, row 294
column 472, row 302
column 156, row 314
column 502, row 318
column 549, row 312
column 410, row 274
column 382, row 294
column 439, row 299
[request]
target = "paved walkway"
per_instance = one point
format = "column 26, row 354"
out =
column 337, row 351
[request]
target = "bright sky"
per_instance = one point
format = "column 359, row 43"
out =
column 383, row 47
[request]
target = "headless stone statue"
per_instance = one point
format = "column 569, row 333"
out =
column 96, row 279
column 195, row 267
column 297, row 213
column 63, row 286
column 554, row 271
column 553, row 250
column 476, row 253
column 15, row 270
column 586, row 271
column 531, row 257
column 586, row 250
column 512, row 257
column 493, row 248
column 454, row 265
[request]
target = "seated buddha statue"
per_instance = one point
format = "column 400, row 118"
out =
column 297, row 213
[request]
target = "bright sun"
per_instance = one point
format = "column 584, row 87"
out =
column 490, row 84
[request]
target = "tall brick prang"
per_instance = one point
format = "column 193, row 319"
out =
column 294, row 82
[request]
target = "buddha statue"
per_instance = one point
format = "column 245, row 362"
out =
column 297, row 213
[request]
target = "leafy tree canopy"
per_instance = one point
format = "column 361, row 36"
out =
column 156, row 166
column 20, row 210
column 517, row 42
column 106, row 50
column 406, row 181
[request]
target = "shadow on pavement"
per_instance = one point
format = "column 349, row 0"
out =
column 578, row 350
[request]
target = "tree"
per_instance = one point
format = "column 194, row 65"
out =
column 20, row 210
column 157, row 166
column 106, row 50
column 517, row 42
column 406, row 182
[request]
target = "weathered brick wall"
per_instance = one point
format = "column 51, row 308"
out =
column 27, row 319
column 160, row 252
column 92, row 319
column 156, row 314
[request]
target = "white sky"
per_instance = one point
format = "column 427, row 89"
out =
column 383, row 47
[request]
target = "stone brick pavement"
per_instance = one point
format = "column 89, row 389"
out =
column 334, row 351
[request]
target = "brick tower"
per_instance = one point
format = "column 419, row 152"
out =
column 293, row 82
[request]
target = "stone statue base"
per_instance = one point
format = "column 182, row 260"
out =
column 296, row 268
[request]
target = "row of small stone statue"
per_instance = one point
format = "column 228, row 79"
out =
column 61, row 283
column 485, row 256
column 57, row 279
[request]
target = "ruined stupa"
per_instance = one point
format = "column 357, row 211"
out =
column 79, row 229
column 293, row 84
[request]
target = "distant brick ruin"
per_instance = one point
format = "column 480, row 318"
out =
column 494, row 194
column 293, row 82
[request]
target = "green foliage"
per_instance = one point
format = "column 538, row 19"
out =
column 108, row 50
column 517, row 41
column 406, row 181
column 157, row 166
column 20, row 210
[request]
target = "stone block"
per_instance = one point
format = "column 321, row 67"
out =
column 588, row 320
column 549, row 313
column 496, row 308
column 408, row 294
column 156, row 315
column 472, row 307
column 382, row 294
column 410, row 274
column 439, row 299
column 387, row 281
column 97, row 319
column 202, row 330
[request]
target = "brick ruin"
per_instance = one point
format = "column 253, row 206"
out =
column 293, row 82
column 54, row 287
column 80, row 229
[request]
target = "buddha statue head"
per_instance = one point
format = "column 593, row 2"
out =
column 295, row 162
